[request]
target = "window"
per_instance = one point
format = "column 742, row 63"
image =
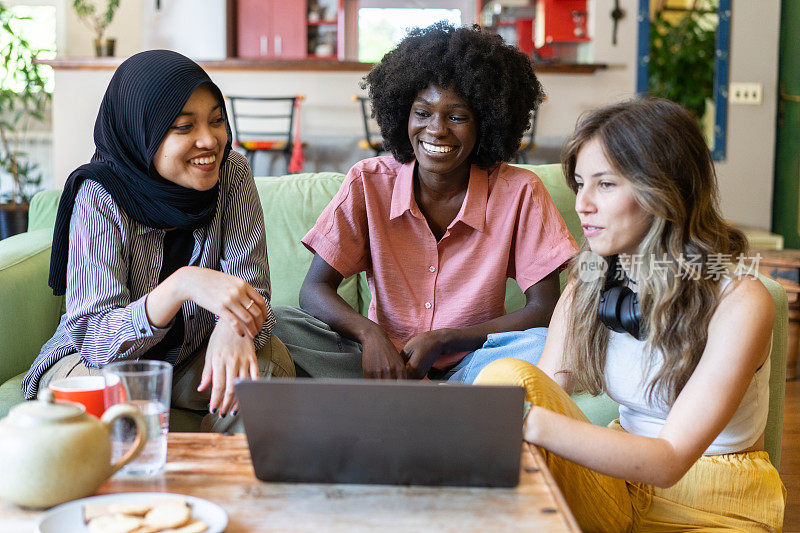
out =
column 37, row 24
column 25, row 134
column 380, row 28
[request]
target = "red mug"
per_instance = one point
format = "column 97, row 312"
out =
column 85, row 390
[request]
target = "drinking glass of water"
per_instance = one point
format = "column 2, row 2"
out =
column 147, row 385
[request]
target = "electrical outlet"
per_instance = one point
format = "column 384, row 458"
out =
column 745, row 93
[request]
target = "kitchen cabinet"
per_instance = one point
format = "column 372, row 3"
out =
column 271, row 29
column 544, row 29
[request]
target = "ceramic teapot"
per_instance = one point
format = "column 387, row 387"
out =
column 52, row 453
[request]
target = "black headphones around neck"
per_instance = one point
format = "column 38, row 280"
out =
column 619, row 311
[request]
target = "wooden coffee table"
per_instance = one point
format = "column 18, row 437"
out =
column 217, row 468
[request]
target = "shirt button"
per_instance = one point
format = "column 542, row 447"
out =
column 143, row 330
column 427, row 305
column 432, row 269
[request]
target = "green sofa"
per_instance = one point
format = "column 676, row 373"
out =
column 29, row 312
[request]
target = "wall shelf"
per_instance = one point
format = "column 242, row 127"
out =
column 310, row 63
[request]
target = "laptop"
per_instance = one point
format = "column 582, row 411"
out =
column 385, row 432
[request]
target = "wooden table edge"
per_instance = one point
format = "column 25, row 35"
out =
column 533, row 465
column 558, row 496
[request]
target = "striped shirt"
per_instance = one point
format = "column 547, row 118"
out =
column 114, row 263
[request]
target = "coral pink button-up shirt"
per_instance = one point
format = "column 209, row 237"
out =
column 508, row 227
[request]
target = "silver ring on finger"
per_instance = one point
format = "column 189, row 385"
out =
column 248, row 306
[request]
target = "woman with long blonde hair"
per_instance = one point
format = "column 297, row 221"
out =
column 656, row 315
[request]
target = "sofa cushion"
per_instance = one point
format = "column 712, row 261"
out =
column 563, row 197
column 600, row 410
column 564, row 200
column 291, row 206
column 29, row 313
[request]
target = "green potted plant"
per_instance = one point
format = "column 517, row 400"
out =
column 682, row 58
column 22, row 100
column 88, row 11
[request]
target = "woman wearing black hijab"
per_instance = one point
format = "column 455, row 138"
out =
column 159, row 244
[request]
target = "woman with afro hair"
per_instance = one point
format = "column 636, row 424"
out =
column 439, row 226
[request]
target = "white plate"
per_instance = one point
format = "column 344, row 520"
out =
column 68, row 517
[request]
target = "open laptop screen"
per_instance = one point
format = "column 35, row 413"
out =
column 388, row 432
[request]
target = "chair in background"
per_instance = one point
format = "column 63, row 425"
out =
column 528, row 143
column 264, row 124
column 372, row 135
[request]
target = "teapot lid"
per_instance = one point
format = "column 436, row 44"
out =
column 45, row 410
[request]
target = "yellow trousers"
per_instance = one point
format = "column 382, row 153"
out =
column 731, row 492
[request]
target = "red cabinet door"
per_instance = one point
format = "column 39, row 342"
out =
column 271, row 28
column 254, row 28
column 289, row 29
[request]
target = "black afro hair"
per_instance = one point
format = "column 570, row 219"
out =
column 495, row 79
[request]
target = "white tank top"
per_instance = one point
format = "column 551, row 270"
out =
column 627, row 378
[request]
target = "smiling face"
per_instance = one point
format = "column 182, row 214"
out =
column 612, row 220
column 191, row 152
column 443, row 130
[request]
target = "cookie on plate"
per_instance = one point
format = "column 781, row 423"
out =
column 129, row 508
column 195, row 526
column 114, row 524
column 168, row 514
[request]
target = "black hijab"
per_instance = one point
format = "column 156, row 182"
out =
column 144, row 97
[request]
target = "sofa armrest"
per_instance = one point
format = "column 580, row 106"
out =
column 29, row 312
column 773, row 433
